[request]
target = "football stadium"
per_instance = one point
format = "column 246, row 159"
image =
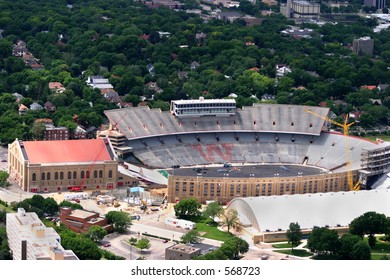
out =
column 214, row 151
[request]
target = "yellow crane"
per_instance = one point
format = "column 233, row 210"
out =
column 345, row 126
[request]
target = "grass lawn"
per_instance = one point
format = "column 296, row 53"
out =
column 379, row 256
column 381, row 136
column 325, row 257
column 8, row 209
column 296, row 252
column 212, row 232
column 283, row 245
column 381, row 247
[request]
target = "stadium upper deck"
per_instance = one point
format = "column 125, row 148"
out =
column 142, row 122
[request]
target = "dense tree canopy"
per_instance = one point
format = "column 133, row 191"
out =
column 369, row 223
column 105, row 38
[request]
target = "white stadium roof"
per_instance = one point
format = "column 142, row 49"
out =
column 275, row 213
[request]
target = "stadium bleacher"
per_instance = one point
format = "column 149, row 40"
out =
column 262, row 133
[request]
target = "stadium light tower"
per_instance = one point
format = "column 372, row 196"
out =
column 345, row 126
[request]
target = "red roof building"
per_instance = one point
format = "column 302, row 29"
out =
column 66, row 151
column 59, row 165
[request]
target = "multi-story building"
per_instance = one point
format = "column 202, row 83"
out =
column 30, row 239
column 56, row 133
column 363, row 45
column 379, row 4
column 59, row 165
column 300, row 9
column 81, row 220
column 224, row 189
column 181, row 252
column 117, row 139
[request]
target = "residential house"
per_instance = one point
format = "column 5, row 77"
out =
column 79, row 133
column 170, row 4
column 18, row 96
column 36, row 66
column 267, row 97
column 22, row 109
column 144, row 36
column 376, row 102
column 182, row 74
column 35, row 106
column 194, row 65
column 368, row 87
column 382, row 87
column 99, row 82
column 282, row 70
column 49, row 107
column 150, row 68
column 153, row 87
column 164, row 34
column 110, row 94
column 200, row 36
column 44, row 121
column 355, row 115
column 19, row 49
column 56, row 87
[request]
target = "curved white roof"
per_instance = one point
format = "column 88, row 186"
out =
column 309, row 210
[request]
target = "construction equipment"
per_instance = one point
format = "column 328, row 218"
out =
column 345, row 126
column 113, row 125
column 144, row 205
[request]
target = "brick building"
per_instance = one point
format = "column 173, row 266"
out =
column 59, row 165
column 81, row 220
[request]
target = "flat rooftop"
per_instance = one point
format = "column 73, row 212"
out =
column 249, row 171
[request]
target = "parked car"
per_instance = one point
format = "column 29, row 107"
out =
column 77, row 200
column 104, row 243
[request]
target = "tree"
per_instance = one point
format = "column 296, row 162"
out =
column 234, row 246
column 83, row 247
column 38, row 131
column 74, row 206
column 143, row 243
column 347, row 243
column 187, row 208
column 3, row 178
column 294, row 235
column 230, row 219
column 120, row 220
column 361, row 251
column 370, row 223
column 96, row 233
column 50, row 205
column 323, row 241
column 213, row 210
column 193, row 236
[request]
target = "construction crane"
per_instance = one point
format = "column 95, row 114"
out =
column 345, row 126
column 87, row 174
column 114, row 125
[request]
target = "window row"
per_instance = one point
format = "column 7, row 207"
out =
column 46, row 176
